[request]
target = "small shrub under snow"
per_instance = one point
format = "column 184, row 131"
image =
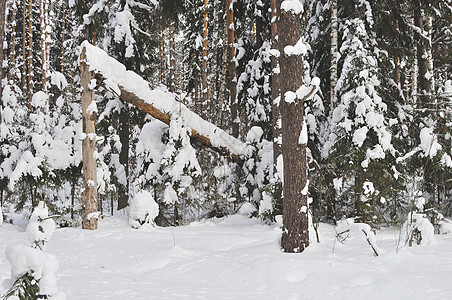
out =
column 32, row 270
column 417, row 227
column 143, row 209
column 347, row 228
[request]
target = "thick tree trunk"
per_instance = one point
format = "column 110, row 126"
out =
column 295, row 237
column 276, row 111
column 232, row 71
column 334, row 55
column 89, row 195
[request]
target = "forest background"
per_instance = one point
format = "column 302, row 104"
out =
column 378, row 144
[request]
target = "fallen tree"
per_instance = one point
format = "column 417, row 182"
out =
column 160, row 104
column 98, row 68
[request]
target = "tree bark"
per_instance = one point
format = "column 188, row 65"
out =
column 232, row 71
column 89, row 195
column 295, row 237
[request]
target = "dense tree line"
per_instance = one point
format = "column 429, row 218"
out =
column 362, row 89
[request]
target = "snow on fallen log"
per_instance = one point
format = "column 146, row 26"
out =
column 159, row 103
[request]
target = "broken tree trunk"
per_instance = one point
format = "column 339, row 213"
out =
column 160, row 104
column 89, row 195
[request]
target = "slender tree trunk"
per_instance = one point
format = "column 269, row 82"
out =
column 43, row 39
column 224, row 68
column 48, row 21
column 12, row 54
column 2, row 37
column 232, row 71
column 414, row 74
column 204, row 62
column 30, row 50
column 162, row 54
column 429, row 76
column 334, row 54
column 172, row 61
column 124, row 134
column 424, row 82
column 89, row 195
column 74, row 181
column 295, row 237
column 213, row 105
column 276, row 111
column 397, row 70
column 24, row 49
column 183, row 69
column 63, row 36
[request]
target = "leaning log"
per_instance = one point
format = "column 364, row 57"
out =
column 195, row 137
column 159, row 103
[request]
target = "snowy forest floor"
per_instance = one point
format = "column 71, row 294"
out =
column 235, row 258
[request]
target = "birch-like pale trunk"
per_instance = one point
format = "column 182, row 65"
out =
column 89, row 194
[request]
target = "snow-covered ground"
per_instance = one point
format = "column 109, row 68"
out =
column 235, row 258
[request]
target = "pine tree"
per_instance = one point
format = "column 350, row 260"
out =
column 295, row 237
